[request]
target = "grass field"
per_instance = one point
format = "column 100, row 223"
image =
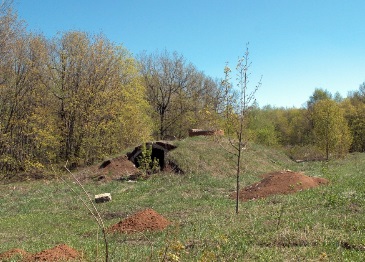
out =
column 326, row 223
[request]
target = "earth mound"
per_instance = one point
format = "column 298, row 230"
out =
column 61, row 252
column 146, row 220
column 116, row 168
column 58, row 253
column 285, row 182
column 16, row 254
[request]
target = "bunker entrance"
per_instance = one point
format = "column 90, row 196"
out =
column 159, row 152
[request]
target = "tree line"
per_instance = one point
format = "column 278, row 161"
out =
column 329, row 126
column 73, row 98
column 79, row 98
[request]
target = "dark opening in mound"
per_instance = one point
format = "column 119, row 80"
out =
column 126, row 167
column 105, row 164
column 159, row 152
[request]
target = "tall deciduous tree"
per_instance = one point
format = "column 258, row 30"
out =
column 166, row 77
column 318, row 95
column 354, row 110
column 179, row 94
column 331, row 132
column 23, row 141
column 76, row 98
column 261, row 125
column 101, row 102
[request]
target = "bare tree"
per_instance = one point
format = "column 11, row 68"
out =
column 167, row 78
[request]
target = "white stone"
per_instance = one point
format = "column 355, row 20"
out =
column 101, row 198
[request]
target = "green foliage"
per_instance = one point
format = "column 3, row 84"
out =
column 80, row 98
column 26, row 131
column 146, row 164
column 77, row 98
column 261, row 127
column 101, row 102
column 331, row 132
column 318, row 95
column 354, row 110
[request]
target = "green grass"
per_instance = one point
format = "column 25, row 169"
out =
column 322, row 224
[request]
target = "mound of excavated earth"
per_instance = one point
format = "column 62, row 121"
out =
column 58, row 253
column 15, row 254
column 116, row 168
column 285, row 182
column 146, row 220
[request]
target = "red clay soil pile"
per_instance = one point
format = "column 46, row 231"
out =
column 146, row 220
column 58, row 253
column 116, row 168
column 15, row 254
column 285, row 182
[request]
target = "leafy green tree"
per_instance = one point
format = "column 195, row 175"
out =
column 26, row 140
column 359, row 94
column 318, row 95
column 261, row 126
column 331, row 132
column 147, row 164
column 354, row 110
column 101, row 103
column 292, row 125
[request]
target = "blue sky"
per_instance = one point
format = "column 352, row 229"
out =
column 296, row 45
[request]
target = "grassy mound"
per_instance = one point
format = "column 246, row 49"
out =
column 206, row 155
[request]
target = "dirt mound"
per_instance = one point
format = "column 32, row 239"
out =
column 58, row 253
column 146, row 220
column 15, row 254
column 116, row 168
column 286, row 182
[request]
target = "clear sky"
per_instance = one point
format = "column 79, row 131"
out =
column 297, row 45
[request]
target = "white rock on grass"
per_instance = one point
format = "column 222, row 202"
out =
column 101, row 198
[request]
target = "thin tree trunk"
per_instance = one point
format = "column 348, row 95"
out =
column 239, row 164
column 162, row 118
column 238, row 178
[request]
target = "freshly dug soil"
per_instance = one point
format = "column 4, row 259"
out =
column 15, row 254
column 116, row 168
column 58, row 253
column 285, row 182
column 146, row 220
